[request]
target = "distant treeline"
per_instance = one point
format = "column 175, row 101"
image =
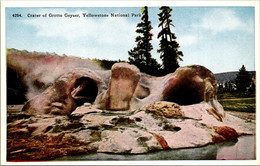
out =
column 239, row 84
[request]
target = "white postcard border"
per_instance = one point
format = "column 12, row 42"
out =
column 122, row 3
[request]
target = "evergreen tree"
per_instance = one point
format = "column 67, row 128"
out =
column 220, row 88
column 252, row 88
column 229, row 87
column 168, row 44
column 140, row 55
column 243, row 80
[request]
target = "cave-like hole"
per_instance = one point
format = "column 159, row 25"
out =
column 85, row 91
column 176, row 128
column 169, row 127
column 185, row 94
column 138, row 119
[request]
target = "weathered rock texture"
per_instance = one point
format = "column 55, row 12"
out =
column 123, row 111
column 163, row 125
column 125, row 88
column 69, row 91
column 123, row 82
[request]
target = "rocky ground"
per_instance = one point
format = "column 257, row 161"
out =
column 163, row 125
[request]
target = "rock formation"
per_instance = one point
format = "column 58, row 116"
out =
column 163, row 125
column 125, row 88
column 125, row 111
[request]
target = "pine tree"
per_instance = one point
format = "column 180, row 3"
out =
column 243, row 80
column 140, row 55
column 168, row 44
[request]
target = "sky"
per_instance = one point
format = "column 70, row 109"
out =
column 219, row 38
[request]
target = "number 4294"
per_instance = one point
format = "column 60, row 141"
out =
column 17, row 15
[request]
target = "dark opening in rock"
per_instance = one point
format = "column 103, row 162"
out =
column 176, row 128
column 169, row 127
column 85, row 91
column 138, row 119
column 185, row 93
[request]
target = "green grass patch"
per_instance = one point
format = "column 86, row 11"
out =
column 226, row 96
column 239, row 104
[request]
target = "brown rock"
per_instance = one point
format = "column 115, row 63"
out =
column 167, row 109
column 42, row 147
column 227, row 132
column 123, row 82
column 161, row 140
column 217, row 138
column 190, row 85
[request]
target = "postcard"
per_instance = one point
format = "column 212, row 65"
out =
column 129, row 82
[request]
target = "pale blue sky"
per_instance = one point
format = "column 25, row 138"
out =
column 220, row 38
